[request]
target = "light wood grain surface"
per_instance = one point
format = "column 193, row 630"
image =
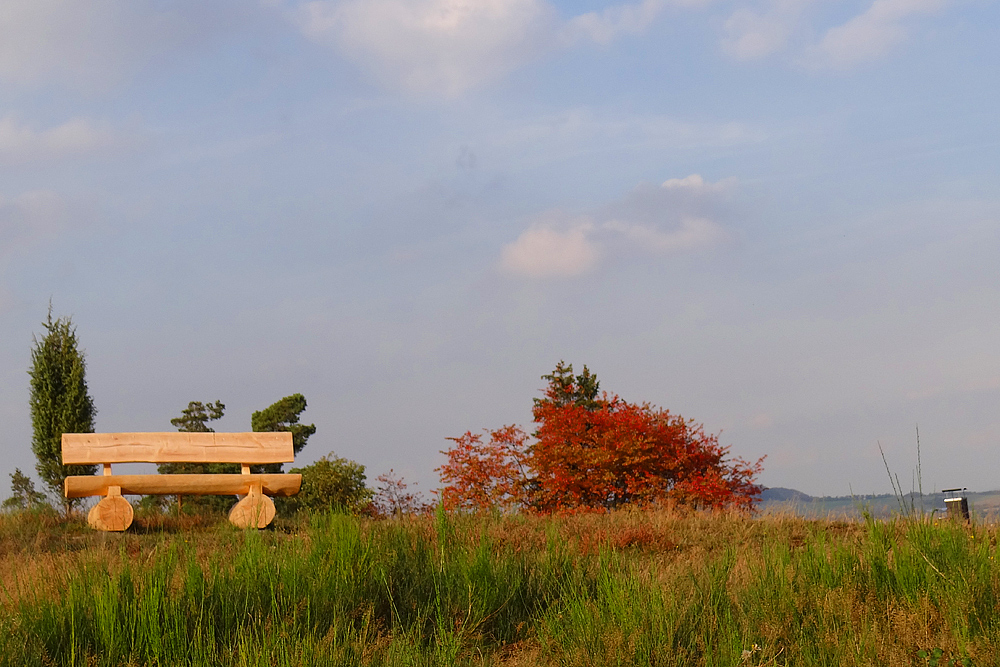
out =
column 175, row 447
column 210, row 485
column 254, row 511
column 113, row 513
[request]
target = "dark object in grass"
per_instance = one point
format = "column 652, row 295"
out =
column 957, row 503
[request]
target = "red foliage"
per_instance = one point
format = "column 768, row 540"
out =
column 619, row 453
column 481, row 475
column 594, row 453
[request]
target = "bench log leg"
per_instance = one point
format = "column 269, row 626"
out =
column 254, row 511
column 113, row 513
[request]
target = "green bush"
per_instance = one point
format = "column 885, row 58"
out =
column 330, row 483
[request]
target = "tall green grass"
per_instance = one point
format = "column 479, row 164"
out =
column 630, row 588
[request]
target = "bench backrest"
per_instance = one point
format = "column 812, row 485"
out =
column 177, row 447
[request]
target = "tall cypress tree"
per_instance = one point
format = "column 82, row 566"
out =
column 60, row 402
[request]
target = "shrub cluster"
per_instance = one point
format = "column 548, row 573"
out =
column 593, row 450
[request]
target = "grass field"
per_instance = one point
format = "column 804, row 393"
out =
column 629, row 588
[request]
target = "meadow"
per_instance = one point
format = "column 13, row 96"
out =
column 659, row 587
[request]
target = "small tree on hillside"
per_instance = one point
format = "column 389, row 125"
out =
column 60, row 402
column 393, row 497
column 283, row 416
column 23, row 495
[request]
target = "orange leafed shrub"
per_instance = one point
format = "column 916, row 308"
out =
column 620, row 453
column 595, row 452
column 482, row 475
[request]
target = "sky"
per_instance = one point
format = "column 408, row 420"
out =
column 778, row 218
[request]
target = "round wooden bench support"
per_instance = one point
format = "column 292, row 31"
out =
column 113, row 513
column 255, row 510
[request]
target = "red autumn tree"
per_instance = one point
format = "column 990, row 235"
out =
column 602, row 452
column 619, row 453
column 482, row 475
column 595, row 451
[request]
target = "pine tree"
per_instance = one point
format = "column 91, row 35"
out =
column 60, row 402
column 283, row 416
column 564, row 388
column 194, row 419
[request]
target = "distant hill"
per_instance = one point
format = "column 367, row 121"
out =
column 781, row 494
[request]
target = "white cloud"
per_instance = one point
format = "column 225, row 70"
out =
column 542, row 252
column 20, row 142
column 437, row 45
column 675, row 200
column 870, row 35
column 449, row 46
column 695, row 184
column 659, row 220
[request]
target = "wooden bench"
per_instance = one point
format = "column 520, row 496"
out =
column 113, row 512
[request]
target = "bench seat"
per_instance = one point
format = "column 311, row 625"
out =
column 203, row 485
